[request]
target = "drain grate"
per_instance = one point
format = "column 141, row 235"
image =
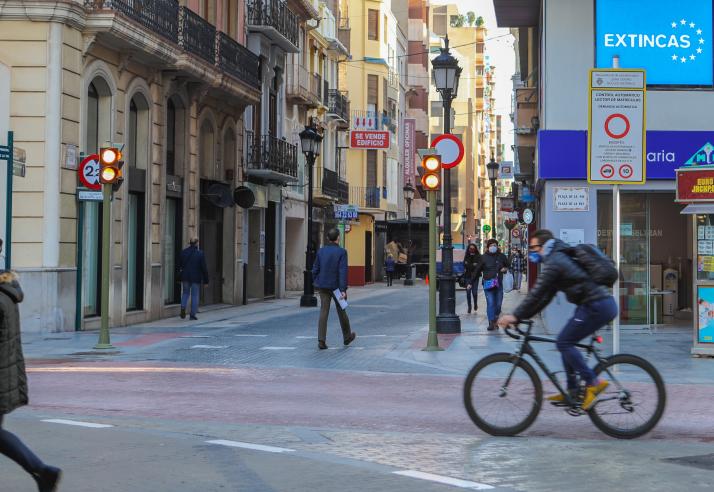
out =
column 704, row 461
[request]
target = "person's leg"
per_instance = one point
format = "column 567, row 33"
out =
column 517, row 280
column 344, row 321
column 325, row 299
column 491, row 299
column 499, row 300
column 13, row 448
column 474, row 292
column 468, row 297
column 195, row 293
column 185, row 291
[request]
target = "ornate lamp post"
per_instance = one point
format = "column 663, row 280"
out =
column 492, row 169
column 310, row 142
column 446, row 73
column 463, row 230
column 408, row 197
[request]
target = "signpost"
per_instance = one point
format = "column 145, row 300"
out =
column 432, row 344
column 88, row 172
column 15, row 158
column 486, row 228
column 527, row 216
column 616, row 145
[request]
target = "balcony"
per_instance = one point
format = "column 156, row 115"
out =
column 343, row 191
column 326, row 93
column 276, row 21
column 316, row 86
column 236, row 60
column 271, row 159
column 158, row 16
column 196, row 35
column 329, row 185
column 338, row 107
column 365, row 197
column 344, row 32
column 299, row 86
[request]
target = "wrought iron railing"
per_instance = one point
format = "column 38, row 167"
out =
column 196, row 35
column 343, row 191
column 365, row 197
column 272, row 154
column 329, row 182
column 338, row 104
column 275, row 14
column 325, row 93
column 299, row 83
column 236, row 60
column 316, row 82
column 158, row 16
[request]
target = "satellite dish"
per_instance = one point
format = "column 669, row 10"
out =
column 243, row 197
column 219, row 194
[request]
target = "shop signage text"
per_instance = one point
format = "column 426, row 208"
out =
column 409, row 149
column 360, row 139
column 346, row 212
column 695, row 185
column 571, row 199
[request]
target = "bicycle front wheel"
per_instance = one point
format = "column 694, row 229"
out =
column 634, row 401
column 503, row 394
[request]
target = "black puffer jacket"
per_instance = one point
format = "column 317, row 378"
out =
column 491, row 266
column 471, row 264
column 560, row 272
column 13, row 381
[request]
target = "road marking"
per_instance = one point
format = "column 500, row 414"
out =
column 196, row 336
column 247, row 335
column 77, row 423
column 456, row 482
column 277, row 348
column 306, row 338
column 248, row 445
column 372, row 336
column 209, row 346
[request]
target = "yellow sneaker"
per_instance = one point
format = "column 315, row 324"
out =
column 559, row 398
column 591, row 393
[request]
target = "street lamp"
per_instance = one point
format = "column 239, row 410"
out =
column 310, row 142
column 409, row 196
column 463, row 229
column 445, row 73
column 492, row 168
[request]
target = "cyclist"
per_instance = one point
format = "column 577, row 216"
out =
column 595, row 308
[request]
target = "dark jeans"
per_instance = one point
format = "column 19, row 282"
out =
column 390, row 278
column 494, row 299
column 326, row 297
column 472, row 293
column 14, row 449
column 193, row 290
column 587, row 319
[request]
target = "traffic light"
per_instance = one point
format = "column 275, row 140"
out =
column 431, row 180
column 110, row 164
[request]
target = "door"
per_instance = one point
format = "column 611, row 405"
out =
column 211, row 242
column 368, row 256
column 269, row 281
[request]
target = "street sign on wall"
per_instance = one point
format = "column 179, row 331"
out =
column 346, row 212
column 368, row 139
column 695, row 185
column 571, row 199
column 616, row 127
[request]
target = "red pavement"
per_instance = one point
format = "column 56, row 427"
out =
column 312, row 398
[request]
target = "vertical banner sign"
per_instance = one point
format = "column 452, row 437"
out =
column 409, row 149
column 616, row 127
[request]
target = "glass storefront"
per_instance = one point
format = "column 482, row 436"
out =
column 172, row 235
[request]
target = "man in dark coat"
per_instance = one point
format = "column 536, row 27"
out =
column 192, row 273
column 329, row 272
column 13, row 385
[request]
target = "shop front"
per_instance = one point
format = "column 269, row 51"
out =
column 658, row 275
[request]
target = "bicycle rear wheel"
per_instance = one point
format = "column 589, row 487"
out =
column 634, row 401
column 498, row 405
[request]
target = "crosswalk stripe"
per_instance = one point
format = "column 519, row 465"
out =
column 248, row 445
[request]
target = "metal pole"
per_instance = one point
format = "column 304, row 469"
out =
column 408, row 280
column 104, row 341
column 447, row 321
column 432, row 342
column 616, row 259
column 8, row 202
column 80, row 254
column 308, row 298
column 341, row 228
column 493, row 208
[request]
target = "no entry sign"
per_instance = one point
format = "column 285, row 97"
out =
column 450, row 148
column 616, row 129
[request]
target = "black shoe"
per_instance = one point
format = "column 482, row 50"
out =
column 469, row 312
column 183, row 314
column 491, row 325
column 194, row 318
column 322, row 345
column 48, row 479
column 351, row 339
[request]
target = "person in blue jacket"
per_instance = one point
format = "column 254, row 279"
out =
column 192, row 273
column 390, row 267
column 329, row 273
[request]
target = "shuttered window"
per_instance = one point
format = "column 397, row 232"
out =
column 373, row 25
column 371, row 168
column 372, row 89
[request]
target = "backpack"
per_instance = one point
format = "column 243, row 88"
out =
column 599, row 267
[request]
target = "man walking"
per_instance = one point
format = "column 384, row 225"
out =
column 329, row 272
column 192, row 273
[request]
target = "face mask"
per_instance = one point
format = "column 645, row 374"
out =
column 493, row 249
column 534, row 257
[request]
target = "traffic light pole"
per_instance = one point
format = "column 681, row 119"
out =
column 432, row 342
column 447, row 321
column 104, row 340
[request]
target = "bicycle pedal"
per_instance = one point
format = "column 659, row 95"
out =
column 576, row 412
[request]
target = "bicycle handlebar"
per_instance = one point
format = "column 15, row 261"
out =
column 520, row 333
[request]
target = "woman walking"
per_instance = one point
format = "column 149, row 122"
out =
column 13, row 385
column 389, row 266
column 493, row 265
column 471, row 264
column 518, row 267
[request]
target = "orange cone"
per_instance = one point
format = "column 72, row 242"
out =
column 427, row 279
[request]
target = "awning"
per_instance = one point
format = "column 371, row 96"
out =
column 698, row 208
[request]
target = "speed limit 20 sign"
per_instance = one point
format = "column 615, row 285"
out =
column 89, row 172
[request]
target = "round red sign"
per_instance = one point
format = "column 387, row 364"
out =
column 89, row 172
column 450, row 148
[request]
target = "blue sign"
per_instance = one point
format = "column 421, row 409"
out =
column 672, row 41
column 562, row 154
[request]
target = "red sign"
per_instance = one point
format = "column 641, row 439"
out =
column 450, row 148
column 89, row 172
column 695, row 185
column 367, row 139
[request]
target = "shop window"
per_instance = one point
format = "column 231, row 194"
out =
column 135, row 253
column 172, row 250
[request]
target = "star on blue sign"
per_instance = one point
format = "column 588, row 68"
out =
column 652, row 35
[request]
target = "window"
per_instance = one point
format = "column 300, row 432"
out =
column 170, row 138
column 437, row 109
column 135, row 253
column 386, row 29
column 172, row 249
column 372, row 89
column 373, row 25
column 207, row 144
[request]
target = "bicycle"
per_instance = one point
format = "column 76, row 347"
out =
column 621, row 399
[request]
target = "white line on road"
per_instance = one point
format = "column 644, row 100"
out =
column 277, row 348
column 209, row 346
column 196, row 336
column 456, row 482
column 77, row 423
column 248, row 445
column 248, row 335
